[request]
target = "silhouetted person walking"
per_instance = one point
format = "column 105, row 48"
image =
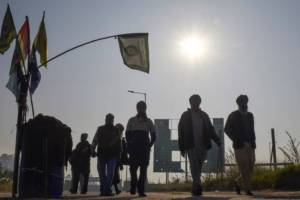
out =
column 119, row 165
column 139, row 146
column 108, row 140
column 80, row 163
column 240, row 129
column 195, row 132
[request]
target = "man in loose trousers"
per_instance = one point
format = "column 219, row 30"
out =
column 108, row 140
column 195, row 132
column 239, row 128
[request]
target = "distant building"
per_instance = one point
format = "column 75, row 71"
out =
column 165, row 146
column 7, row 162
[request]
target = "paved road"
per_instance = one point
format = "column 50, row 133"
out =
column 185, row 196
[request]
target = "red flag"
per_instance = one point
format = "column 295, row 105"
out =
column 24, row 39
column 22, row 48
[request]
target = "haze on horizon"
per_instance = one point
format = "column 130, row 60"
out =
column 252, row 47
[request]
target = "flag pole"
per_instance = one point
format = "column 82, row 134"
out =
column 81, row 45
column 22, row 107
column 76, row 47
column 31, row 99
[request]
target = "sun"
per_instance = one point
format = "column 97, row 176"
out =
column 193, row 47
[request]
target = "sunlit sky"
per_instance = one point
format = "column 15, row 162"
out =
column 250, row 47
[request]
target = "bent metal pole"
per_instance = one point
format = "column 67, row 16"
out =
column 81, row 45
column 76, row 47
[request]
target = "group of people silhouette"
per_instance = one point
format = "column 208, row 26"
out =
column 113, row 151
column 195, row 134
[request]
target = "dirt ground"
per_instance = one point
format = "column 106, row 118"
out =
column 184, row 196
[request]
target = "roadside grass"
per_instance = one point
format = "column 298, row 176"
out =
column 287, row 178
column 5, row 185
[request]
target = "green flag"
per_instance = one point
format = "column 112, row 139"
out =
column 135, row 51
column 8, row 31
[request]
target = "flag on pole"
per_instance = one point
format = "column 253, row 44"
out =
column 24, row 39
column 8, row 31
column 16, row 71
column 40, row 42
column 17, row 59
column 34, row 72
column 14, row 81
column 135, row 51
column 22, row 47
column 35, row 75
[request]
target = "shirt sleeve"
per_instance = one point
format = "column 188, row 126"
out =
column 128, row 130
column 95, row 140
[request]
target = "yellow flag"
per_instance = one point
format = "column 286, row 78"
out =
column 8, row 31
column 40, row 42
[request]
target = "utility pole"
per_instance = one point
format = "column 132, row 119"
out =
column 274, row 148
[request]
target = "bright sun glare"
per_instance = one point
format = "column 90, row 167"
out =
column 193, row 47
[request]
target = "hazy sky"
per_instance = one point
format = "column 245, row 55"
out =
column 253, row 47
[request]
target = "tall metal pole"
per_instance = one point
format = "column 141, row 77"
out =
column 30, row 94
column 274, row 148
column 22, row 107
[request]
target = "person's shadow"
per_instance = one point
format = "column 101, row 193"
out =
column 96, row 197
column 202, row 198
